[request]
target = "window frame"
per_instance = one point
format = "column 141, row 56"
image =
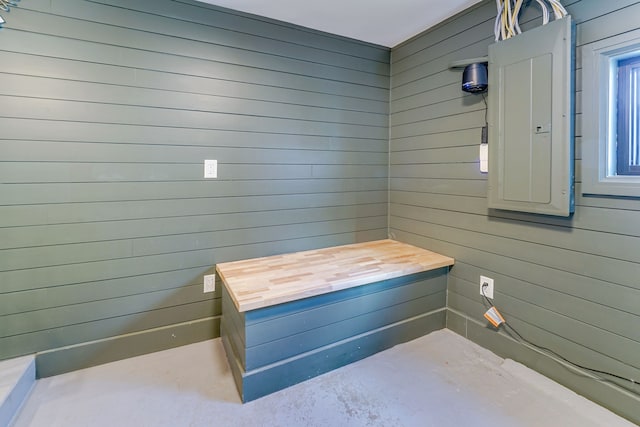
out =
column 599, row 80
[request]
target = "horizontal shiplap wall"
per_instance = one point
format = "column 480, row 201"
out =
column 567, row 284
column 109, row 110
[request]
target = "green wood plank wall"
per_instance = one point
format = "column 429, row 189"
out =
column 567, row 284
column 109, row 110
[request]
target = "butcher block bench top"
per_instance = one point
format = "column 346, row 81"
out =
column 263, row 282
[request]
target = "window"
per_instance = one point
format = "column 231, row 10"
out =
column 628, row 117
column 611, row 116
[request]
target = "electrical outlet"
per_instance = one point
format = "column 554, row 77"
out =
column 209, row 283
column 210, row 168
column 488, row 290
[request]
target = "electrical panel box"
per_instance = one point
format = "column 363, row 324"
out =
column 531, row 98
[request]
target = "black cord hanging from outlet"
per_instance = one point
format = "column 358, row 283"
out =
column 549, row 351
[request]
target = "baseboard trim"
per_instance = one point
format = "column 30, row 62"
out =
column 608, row 395
column 84, row 355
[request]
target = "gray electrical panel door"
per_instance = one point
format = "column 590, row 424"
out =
column 531, row 121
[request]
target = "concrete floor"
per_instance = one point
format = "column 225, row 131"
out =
column 441, row 379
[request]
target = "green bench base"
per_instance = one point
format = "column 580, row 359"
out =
column 272, row 348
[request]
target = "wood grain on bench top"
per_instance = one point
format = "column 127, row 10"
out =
column 263, row 282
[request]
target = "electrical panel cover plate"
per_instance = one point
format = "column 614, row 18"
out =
column 531, row 94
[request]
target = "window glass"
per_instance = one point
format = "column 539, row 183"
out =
column 628, row 117
column 610, row 122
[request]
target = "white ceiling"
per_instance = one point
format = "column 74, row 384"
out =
column 383, row 22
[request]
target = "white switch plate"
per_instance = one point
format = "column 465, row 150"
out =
column 488, row 291
column 210, row 168
column 209, row 283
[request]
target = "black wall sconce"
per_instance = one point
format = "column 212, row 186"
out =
column 475, row 78
column 474, row 75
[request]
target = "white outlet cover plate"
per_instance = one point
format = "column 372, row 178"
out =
column 488, row 291
column 210, row 168
column 209, row 283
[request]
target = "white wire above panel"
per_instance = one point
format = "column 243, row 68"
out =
column 507, row 19
column 5, row 6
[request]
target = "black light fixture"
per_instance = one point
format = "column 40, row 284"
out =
column 475, row 78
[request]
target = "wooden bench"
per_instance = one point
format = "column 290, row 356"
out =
column 287, row 318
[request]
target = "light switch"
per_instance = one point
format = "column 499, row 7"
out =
column 210, row 168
